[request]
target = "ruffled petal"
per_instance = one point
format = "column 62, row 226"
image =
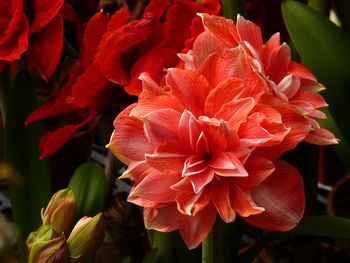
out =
column 282, row 196
column 116, row 45
column 232, row 63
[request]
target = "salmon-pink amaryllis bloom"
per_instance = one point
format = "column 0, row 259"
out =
column 192, row 152
column 208, row 143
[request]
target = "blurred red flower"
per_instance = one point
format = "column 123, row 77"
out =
column 116, row 51
column 34, row 27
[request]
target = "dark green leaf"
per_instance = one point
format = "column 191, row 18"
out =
column 323, row 226
column 324, row 48
column 22, row 152
column 90, row 189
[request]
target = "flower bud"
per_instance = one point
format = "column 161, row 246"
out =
column 45, row 247
column 86, row 237
column 60, row 211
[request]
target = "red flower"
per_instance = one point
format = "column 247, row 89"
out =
column 34, row 27
column 117, row 50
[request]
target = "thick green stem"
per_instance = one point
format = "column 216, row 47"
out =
column 212, row 246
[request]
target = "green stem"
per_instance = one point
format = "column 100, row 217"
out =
column 69, row 50
column 232, row 8
column 212, row 247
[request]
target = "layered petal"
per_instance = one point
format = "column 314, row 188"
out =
column 190, row 88
column 163, row 219
column 44, row 12
column 125, row 128
column 145, row 191
column 51, row 141
column 194, row 229
column 120, row 41
column 15, row 41
column 46, row 47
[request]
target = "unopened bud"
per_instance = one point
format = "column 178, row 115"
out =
column 45, row 247
column 86, row 237
column 60, row 211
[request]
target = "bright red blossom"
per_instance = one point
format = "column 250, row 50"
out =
column 115, row 51
column 209, row 142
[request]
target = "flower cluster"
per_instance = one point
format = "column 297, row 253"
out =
column 114, row 52
column 208, row 141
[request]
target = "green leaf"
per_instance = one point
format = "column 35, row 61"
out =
column 322, row 226
column 22, row 152
column 324, row 48
column 90, row 189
